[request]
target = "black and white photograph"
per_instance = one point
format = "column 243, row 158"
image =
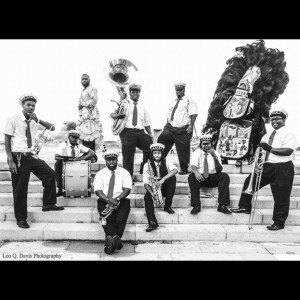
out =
column 150, row 150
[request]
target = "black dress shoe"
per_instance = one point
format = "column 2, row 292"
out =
column 275, row 227
column 195, row 210
column 52, row 207
column 59, row 193
column 151, row 227
column 169, row 210
column 109, row 245
column 23, row 224
column 241, row 211
column 223, row 209
column 117, row 243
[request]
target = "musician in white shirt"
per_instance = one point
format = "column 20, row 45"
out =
column 181, row 117
column 278, row 169
column 70, row 150
column 113, row 192
column 212, row 176
column 134, row 135
column 165, row 171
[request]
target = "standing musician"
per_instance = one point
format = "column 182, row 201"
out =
column 278, row 170
column 206, row 169
column 70, row 150
column 165, row 171
column 88, row 112
column 182, row 115
column 20, row 130
column 133, row 135
column 112, row 185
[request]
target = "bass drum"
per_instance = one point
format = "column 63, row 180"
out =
column 77, row 179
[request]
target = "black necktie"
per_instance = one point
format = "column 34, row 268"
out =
column 28, row 134
column 73, row 151
column 205, row 166
column 111, row 186
column 134, row 118
column 175, row 107
column 270, row 142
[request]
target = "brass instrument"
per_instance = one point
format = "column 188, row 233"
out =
column 106, row 212
column 157, row 199
column 253, row 187
column 120, row 74
column 40, row 141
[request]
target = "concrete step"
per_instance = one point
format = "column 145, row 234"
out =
column 138, row 188
column 137, row 200
column 234, row 178
column 136, row 232
column 138, row 216
column 231, row 168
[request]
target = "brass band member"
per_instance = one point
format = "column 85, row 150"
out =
column 70, row 150
column 20, row 130
column 88, row 112
column 165, row 170
column 112, row 185
column 207, row 171
column 182, row 115
column 133, row 135
column 278, row 169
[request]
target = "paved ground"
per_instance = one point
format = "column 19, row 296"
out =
column 175, row 251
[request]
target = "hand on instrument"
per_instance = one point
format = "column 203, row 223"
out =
column 12, row 166
column 112, row 202
column 33, row 117
column 189, row 128
column 161, row 181
column 265, row 146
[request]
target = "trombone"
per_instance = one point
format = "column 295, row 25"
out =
column 253, row 187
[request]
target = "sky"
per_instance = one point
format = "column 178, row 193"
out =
column 51, row 69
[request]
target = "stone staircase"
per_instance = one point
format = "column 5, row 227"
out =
column 80, row 219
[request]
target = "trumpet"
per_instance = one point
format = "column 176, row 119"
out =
column 253, row 187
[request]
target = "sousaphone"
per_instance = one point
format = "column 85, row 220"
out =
column 120, row 73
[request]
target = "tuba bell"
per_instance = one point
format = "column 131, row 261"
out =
column 119, row 73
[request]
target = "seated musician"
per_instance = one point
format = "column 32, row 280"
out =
column 70, row 150
column 112, row 185
column 165, row 171
column 207, row 171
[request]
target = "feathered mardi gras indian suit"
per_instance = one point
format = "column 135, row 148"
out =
column 253, row 80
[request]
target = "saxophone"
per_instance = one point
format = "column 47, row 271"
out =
column 157, row 199
column 40, row 141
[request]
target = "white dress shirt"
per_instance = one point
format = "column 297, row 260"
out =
column 122, row 180
column 65, row 149
column 197, row 160
column 16, row 127
column 143, row 118
column 283, row 138
column 146, row 174
column 186, row 108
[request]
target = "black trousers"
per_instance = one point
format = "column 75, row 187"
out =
column 116, row 221
column 58, row 166
column 168, row 191
column 280, row 176
column 20, row 183
column 182, row 140
column 130, row 139
column 220, row 180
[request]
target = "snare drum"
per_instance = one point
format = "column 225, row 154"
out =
column 76, row 179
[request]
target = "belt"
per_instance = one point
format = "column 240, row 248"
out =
column 23, row 153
